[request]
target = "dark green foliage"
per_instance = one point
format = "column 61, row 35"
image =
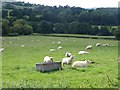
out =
column 5, row 27
column 63, row 19
column 21, row 27
column 73, row 27
column 95, row 30
column 79, row 28
column 44, row 27
column 59, row 28
column 104, row 31
column 117, row 33
column 4, row 13
column 9, row 6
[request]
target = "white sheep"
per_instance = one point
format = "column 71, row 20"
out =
column 1, row 49
column 22, row 45
column 106, row 44
column 88, row 47
column 60, row 47
column 98, row 44
column 52, row 50
column 67, row 60
column 67, row 54
column 48, row 59
column 59, row 42
column 81, row 63
column 83, row 52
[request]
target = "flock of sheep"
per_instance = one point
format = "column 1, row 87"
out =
column 68, row 59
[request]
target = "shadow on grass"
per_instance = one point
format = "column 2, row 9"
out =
column 78, row 69
column 52, row 71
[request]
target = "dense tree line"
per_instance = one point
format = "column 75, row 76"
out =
column 25, row 18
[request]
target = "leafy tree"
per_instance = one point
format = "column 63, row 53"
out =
column 5, row 27
column 95, row 30
column 44, row 27
column 17, row 28
column 104, row 31
column 4, row 13
column 21, row 27
column 59, row 28
column 27, row 29
column 84, row 28
column 73, row 27
column 8, row 6
column 117, row 33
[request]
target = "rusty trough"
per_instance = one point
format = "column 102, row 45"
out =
column 43, row 67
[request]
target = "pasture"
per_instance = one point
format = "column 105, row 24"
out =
column 18, row 63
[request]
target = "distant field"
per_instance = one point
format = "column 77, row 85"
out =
column 18, row 63
column 79, row 36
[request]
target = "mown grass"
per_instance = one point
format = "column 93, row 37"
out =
column 18, row 63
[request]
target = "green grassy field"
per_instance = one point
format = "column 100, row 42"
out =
column 18, row 63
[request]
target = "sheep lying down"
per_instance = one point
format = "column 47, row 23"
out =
column 81, row 63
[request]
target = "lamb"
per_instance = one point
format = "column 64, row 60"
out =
column 59, row 47
column 83, row 52
column 98, row 44
column 88, row 47
column 67, row 60
column 52, row 50
column 1, row 49
column 67, row 54
column 81, row 63
column 48, row 59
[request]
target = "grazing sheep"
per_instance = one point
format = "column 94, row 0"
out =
column 67, row 54
column 67, row 60
column 59, row 42
column 106, row 44
column 59, row 47
column 52, row 50
column 48, row 59
column 88, row 47
column 10, row 42
column 98, row 44
column 81, row 63
column 1, row 49
column 83, row 52
column 22, row 45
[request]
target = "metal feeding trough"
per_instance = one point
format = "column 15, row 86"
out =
column 43, row 67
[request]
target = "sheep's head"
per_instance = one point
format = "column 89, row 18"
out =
column 51, row 59
column 88, row 61
column 72, row 57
